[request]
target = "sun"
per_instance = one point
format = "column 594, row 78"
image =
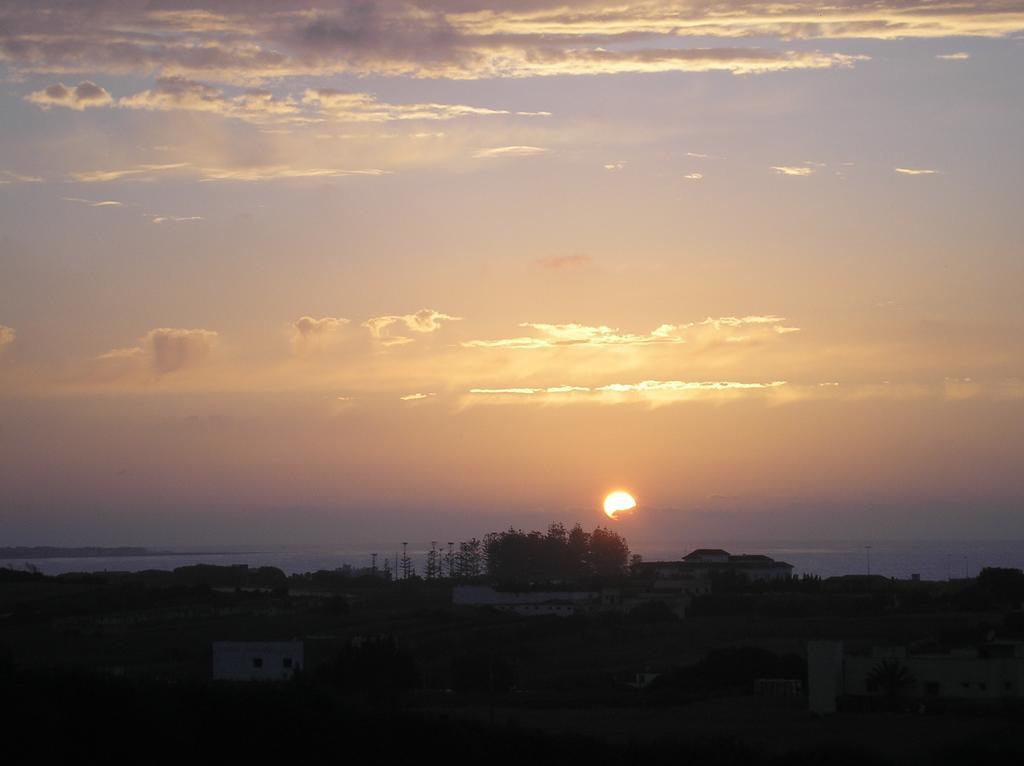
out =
column 618, row 502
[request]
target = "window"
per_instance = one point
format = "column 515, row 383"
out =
column 286, row 662
column 257, row 662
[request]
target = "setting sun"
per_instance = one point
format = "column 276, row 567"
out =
column 617, row 502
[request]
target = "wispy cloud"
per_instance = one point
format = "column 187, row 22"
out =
column 175, row 218
column 510, row 151
column 345, row 106
column 9, row 177
column 568, row 262
column 416, row 397
column 694, row 176
column 94, row 203
column 572, row 334
column 961, row 56
column 138, row 172
column 179, row 93
column 7, row 336
column 650, row 391
column 422, row 321
column 553, row 335
column 283, row 172
column 916, row 171
column 226, row 43
column 313, row 105
column 793, row 170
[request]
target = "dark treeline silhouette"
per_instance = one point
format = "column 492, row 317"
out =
column 731, row 669
column 558, row 554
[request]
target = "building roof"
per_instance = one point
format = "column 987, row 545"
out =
column 705, row 552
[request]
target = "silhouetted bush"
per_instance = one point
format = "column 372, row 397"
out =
column 731, row 669
column 482, row 672
column 375, row 666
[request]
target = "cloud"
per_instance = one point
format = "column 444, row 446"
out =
column 94, row 203
column 175, row 218
column 602, row 61
column 423, row 321
column 282, row 172
column 416, row 397
column 307, row 327
column 694, row 176
column 569, row 262
column 792, row 170
column 961, row 56
column 7, row 336
column 509, row 151
column 915, row 171
column 346, row 106
column 678, row 385
column 84, row 95
column 553, row 335
column 9, row 177
column 179, row 93
column 572, row 334
column 161, row 351
column 139, row 172
column 314, row 105
column 652, row 391
column 309, row 333
column 615, row 166
column 251, row 43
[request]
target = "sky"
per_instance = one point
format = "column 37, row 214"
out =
column 325, row 272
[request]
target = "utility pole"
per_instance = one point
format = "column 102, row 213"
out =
column 373, row 563
column 868, row 549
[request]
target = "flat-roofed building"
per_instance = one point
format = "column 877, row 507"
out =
column 256, row 660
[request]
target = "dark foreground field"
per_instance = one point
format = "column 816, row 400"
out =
column 75, row 717
column 120, row 668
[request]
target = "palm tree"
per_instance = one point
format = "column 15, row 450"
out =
column 892, row 677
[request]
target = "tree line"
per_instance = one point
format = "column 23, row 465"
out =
column 559, row 553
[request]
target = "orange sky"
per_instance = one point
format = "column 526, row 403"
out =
column 328, row 270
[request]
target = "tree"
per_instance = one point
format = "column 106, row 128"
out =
column 433, row 562
column 892, row 677
column 609, row 553
column 515, row 555
column 469, row 560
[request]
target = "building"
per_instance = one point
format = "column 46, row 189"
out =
column 984, row 676
column 707, row 556
column 256, row 660
column 696, row 569
column 527, row 603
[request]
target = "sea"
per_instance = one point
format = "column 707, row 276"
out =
column 930, row 560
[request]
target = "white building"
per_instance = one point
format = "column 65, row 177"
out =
column 256, row 660
column 985, row 675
